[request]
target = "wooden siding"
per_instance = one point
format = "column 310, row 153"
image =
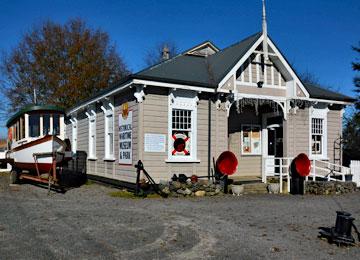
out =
column 334, row 131
column 249, row 165
column 261, row 91
column 229, row 84
column 299, row 91
column 297, row 133
column 100, row 167
column 156, row 121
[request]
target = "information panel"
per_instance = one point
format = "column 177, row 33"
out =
column 155, row 143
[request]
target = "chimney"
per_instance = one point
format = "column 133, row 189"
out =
column 165, row 53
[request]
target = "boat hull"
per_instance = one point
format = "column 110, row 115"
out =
column 38, row 153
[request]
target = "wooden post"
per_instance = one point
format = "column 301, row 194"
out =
column 281, row 175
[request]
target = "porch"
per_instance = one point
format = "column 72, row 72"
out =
column 279, row 167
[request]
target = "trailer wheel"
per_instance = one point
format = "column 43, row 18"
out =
column 14, row 176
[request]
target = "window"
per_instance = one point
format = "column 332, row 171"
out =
column 181, row 132
column 34, row 125
column 56, row 124
column 109, row 134
column 46, row 124
column 182, row 126
column 317, row 135
column 251, row 140
column 92, row 137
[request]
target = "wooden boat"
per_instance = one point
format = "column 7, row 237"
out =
column 36, row 143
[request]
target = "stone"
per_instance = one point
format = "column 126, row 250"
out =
column 200, row 193
column 211, row 193
column 180, row 191
column 187, row 191
column 176, row 184
column 166, row 190
column 217, row 191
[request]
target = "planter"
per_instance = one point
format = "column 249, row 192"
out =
column 237, row 189
column 274, row 188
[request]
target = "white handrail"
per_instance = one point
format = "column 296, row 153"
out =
column 280, row 166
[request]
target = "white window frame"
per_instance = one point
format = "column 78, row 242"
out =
column 184, row 100
column 74, row 125
column 242, row 143
column 92, row 135
column 109, row 115
column 319, row 113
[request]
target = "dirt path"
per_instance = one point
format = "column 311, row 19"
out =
column 86, row 223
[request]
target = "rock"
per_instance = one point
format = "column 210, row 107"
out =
column 200, row 193
column 180, row 191
column 166, row 190
column 176, row 184
column 203, row 182
column 187, row 191
column 217, row 191
column 211, row 193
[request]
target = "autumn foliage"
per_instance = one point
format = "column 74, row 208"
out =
column 63, row 63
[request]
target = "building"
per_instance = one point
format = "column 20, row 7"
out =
column 178, row 115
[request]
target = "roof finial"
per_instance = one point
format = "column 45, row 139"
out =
column 264, row 31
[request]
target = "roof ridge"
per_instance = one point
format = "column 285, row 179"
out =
column 236, row 43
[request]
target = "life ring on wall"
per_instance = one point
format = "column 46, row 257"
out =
column 181, row 144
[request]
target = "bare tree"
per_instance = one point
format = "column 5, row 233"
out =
column 309, row 78
column 155, row 54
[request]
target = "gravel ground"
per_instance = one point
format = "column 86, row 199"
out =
column 87, row 223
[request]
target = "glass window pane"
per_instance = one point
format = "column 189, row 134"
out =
column 34, row 125
column 46, row 124
column 56, row 124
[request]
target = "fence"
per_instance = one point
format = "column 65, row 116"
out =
column 355, row 171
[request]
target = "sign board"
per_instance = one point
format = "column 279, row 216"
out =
column 125, row 138
column 154, row 143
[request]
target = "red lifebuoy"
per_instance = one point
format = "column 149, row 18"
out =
column 227, row 163
column 302, row 165
column 181, row 144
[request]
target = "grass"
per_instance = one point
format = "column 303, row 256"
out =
column 89, row 182
column 129, row 195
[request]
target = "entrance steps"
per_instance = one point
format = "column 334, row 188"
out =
column 255, row 188
column 252, row 184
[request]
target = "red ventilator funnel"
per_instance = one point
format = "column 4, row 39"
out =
column 302, row 165
column 227, row 163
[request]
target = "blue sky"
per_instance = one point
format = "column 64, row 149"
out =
column 315, row 36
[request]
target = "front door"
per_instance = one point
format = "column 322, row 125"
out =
column 274, row 142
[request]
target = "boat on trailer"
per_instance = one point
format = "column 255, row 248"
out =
column 36, row 144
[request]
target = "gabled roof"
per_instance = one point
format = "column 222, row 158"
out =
column 319, row 92
column 202, row 71
column 207, row 71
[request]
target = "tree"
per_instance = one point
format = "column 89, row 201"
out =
column 155, row 55
column 309, row 78
column 351, row 131
column 356, row 67
column 62, row 64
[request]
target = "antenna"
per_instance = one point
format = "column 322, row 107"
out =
column 264, row 31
